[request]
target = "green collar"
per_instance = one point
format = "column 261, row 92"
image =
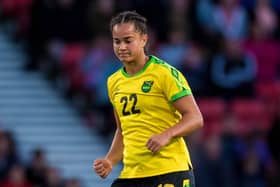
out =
column 140, row 72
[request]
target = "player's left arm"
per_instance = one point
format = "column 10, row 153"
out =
column 191, row 117
column 191, row 121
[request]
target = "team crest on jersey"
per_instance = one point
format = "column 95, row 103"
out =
column 147, row 85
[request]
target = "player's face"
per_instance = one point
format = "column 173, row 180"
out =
column 128, row 44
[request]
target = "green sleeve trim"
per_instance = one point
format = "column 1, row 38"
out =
column 181, row 94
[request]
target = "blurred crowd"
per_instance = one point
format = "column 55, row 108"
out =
column 34, row 172
column 229, row 51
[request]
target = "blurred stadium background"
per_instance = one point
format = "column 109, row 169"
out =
column 55, row 56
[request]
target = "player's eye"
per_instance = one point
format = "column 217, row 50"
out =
column 117, row 41
column 127, row 41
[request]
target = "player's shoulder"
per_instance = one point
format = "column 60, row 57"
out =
column 161, row 65
column 114, row 76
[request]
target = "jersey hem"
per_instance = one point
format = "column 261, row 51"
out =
column 181, row 94
column 153, row 174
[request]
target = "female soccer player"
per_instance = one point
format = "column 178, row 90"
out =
column 154, row 108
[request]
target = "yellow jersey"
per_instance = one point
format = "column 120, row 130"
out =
column 143, row 103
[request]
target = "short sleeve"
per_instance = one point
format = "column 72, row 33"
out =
column 175, row 84
column 109, row 91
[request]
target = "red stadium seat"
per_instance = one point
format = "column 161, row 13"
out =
column 71, row 58
column 8, row 7
column 268, row 90
column 251, row 114
column 13, row 7
column 213, row 111
column 269, row 93
column 212, row 128
column 71, row 54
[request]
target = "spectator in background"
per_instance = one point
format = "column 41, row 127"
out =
column 97, row 65
column 157, row 13
column 178, row 32
column 73, row 182
column 233, row 72
column 154, row 43
column 230, row 19
column 178, row 18
column 273, row 136
column 174, row 50
column 254, row 156
column 209, row 170
column 204, row 15
column 124, row 5
column 69, row 23
column 276, row 5
column 36, row 170
column 100, row 12
column 250, row 4
column 16, row 177
column 195, row 68
column 54, row 23
column 265, row 16
column 8, row 153
column 207, row 34
column 68, row 26
column 229, row 159
column 262, row 44
column 272, row 140
column 41, row 17
column 18, row 11
column 53, row 178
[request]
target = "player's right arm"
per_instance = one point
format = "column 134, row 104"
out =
column 103, row 166
column 115, row 153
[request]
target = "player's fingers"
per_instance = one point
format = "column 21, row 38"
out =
column 98, row 166
column 153, row 148
column 103, row 174
column 97, row 163
column 106, row 174
column 150, row 146
column 99, row 170
column 156, row 149
column 150, row 143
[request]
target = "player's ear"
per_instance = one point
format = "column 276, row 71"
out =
column 144, row 39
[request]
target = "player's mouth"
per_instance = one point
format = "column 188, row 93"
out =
column 124, row 55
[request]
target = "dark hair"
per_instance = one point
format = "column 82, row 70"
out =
column 139, row 21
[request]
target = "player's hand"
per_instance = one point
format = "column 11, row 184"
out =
column 157, row 141
column 102, row 167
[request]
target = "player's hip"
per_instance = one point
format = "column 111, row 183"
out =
column 173, row 179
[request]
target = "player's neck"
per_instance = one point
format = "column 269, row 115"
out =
column 134, row 67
